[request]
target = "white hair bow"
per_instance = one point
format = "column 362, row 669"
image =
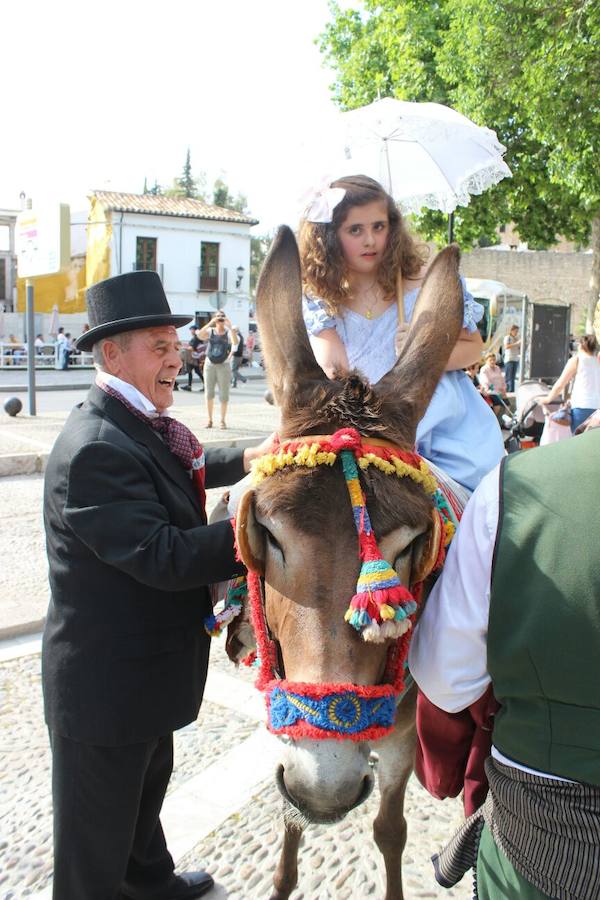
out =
column 319, row 202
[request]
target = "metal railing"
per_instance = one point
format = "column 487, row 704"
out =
column 14, row 356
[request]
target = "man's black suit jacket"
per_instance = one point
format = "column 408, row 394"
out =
column 125, row 652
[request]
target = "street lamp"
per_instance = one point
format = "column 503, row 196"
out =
column 240, row 274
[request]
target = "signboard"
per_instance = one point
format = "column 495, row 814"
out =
column 43, row 240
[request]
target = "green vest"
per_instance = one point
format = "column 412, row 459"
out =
column 544, row 625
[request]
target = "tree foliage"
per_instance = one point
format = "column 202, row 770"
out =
column 259, row 247
column 188, row 185
column 530, row 71
column 222, row 197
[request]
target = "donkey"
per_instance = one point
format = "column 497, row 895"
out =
column 297, row 530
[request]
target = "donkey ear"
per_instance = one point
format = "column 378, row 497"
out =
column 249, row 535
column 290, row 360
column 434, row 329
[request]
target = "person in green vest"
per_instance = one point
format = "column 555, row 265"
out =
column 513, row 625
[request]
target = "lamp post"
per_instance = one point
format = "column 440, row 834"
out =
column 240, row 275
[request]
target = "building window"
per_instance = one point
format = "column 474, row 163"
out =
column 3, row 280
column 145, row 254
column 209, row 267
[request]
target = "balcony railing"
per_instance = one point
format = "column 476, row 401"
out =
column 212, row 280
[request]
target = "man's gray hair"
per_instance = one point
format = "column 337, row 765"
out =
column 123, row 340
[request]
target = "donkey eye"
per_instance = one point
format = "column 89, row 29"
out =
column 274, row 544
column 403, row 565
column 403, row 558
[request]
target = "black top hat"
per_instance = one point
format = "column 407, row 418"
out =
column 125, row 303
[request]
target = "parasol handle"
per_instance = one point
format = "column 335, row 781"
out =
column 400, row 297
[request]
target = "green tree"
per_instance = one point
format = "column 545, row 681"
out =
column 187, row 185
column 527, row 70
column 155, row 190
column 187, row 182
column 534, row 69
column 222, row 198
column 259, row 247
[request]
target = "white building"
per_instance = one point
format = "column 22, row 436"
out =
column 201, row 252
column 8, row 260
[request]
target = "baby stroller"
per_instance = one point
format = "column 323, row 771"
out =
column 527, row 423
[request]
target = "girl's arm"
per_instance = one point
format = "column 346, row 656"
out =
column 329, row 351
column 467, row 350
column 565, row 376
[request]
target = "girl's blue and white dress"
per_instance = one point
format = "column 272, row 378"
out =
column 459, row 432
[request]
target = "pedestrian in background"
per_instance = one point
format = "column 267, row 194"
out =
column 195, row 354
column 221, row 339
column 512, row 349
column 584, row 370
column 493, row 385
column 237, row 359
column 60, row 349
column 131, row 558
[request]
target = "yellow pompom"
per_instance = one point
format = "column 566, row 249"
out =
column 386, row 612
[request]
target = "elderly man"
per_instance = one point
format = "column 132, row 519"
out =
column 513, row 627
column 131, row 558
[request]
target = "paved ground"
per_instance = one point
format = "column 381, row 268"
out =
column 248, row 415
column 222, row 810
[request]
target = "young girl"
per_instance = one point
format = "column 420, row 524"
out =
column 353, row 245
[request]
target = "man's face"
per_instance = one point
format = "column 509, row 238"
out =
column 150, row 363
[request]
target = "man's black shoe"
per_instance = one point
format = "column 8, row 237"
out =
column 186, row 886
column 190, row 885
column 186, row 387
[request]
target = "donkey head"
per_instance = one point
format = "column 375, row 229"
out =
column 296, row 528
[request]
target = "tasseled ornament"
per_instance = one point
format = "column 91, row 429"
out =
column 382, row 605
column 237, row 591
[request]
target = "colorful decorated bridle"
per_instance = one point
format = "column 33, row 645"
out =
column 381, row 609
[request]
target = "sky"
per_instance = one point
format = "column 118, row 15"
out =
column 101, row 95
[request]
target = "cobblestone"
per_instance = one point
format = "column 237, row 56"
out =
column 334, row 861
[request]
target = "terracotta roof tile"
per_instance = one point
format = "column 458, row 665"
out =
column 158, row 205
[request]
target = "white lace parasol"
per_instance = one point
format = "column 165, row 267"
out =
column 425, row 154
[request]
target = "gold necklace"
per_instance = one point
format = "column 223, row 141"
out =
column 369, row 309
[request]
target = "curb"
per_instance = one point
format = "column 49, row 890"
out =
column 22, row 629
column 22, row 463
column 23, row 388
column 35, row 463
column 251, row 375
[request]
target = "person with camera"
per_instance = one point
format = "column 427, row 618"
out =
column 222, row 338
column 194, row 353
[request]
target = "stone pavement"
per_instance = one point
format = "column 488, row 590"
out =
column 222, row 811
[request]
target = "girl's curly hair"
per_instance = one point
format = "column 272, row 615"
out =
column 324, row 274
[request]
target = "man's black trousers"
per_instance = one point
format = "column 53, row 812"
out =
column 107, row 832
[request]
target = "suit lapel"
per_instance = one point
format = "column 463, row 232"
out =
column 144, row 434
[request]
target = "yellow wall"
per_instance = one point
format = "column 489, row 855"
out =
column 99, row 234
column 65, row 290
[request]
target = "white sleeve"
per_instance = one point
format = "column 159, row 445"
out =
column 448, row 655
